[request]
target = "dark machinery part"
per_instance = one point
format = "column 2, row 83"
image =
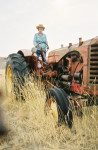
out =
column 78, row 76
column 66, row 77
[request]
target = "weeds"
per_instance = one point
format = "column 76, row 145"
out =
column 30, row 129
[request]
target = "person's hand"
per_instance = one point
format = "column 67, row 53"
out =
column 36, row 45
column 47, row 47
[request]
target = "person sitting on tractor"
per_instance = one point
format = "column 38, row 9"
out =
column 40, row 42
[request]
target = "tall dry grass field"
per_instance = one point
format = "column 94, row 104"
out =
column 30, row 129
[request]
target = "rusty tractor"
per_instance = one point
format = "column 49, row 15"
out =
column 71, row 75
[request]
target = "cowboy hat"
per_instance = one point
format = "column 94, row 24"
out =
column 40, row 26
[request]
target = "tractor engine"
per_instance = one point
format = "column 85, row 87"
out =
column 77, row 67
column 67, row 70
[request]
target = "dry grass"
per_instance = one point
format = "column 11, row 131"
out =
column 30, row 129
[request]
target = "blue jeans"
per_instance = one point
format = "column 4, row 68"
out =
column 39, row 53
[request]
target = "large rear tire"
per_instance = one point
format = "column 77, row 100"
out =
column 16, row 69
column 58, row 105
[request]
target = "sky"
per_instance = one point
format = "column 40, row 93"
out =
column 65, row 22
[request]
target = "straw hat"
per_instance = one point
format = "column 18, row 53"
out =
column 40, row 26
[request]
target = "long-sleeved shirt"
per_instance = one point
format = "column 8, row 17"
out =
column 41, row 40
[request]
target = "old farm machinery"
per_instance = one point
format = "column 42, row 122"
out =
column 73, row 70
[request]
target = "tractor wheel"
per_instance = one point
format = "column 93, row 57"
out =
column 16, row 69
column 58, row 105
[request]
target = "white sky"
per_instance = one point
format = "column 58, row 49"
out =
column 65, row 22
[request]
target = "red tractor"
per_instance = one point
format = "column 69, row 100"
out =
column 71, row 71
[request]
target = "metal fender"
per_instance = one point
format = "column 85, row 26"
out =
column 25, row 52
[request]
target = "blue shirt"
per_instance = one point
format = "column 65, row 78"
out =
column 41, row 40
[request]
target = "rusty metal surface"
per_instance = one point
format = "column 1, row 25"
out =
column 55, row 55
column 89, row 53
column 25, row 52
column 93, row 67
column 33, row 62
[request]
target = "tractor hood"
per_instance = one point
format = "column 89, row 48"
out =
column 55, row 55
